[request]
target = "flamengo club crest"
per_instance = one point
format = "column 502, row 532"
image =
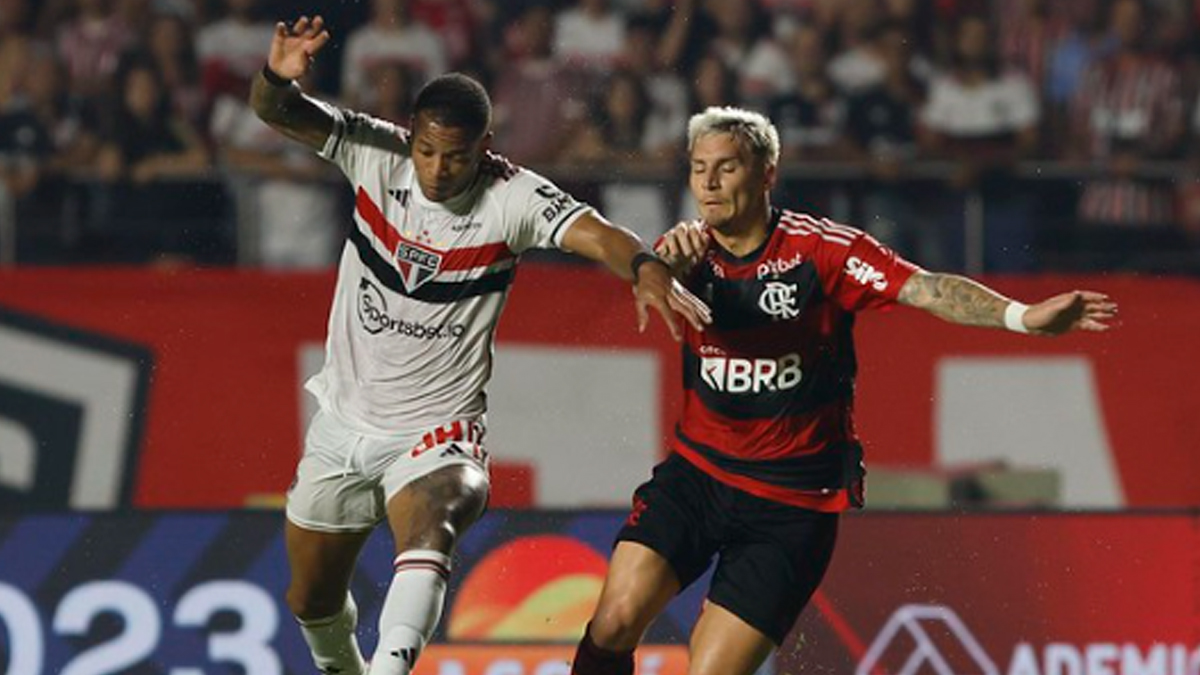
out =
column 417, row 264
column 779, row 300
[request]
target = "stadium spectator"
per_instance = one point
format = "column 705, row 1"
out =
column 537, row 102
column 1029, row 31
column 456, row 22
column 1129, row 109
column 171, row 46
column 390, row 35
column 683, row 30
column 666, row 91
column 283, row 189
column 857, row 63
column 745, row 42
column 811, row 115
column 1086, row 42
column 713, row 84
column 391, row 92
column 615, row 128
column 148, row 154
column 91, row 44
column 765, row 456
column 589, row 35
column 984, row 119
column 230, row 49
column 422, row 282
column 16, row 45
column 881, row 123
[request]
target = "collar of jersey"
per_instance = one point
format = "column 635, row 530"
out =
column 754, row 255
column 459, row 204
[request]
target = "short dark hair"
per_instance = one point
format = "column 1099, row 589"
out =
column 456, row 100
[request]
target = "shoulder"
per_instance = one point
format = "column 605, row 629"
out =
column 802, row 229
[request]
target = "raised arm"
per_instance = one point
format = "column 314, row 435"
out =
column 958, row 299
column 626, row 256
column 275, row 96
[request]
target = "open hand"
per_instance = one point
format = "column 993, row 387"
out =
column 293, row 49
column 1077, row 310
column 657, row 289
column 683, row 246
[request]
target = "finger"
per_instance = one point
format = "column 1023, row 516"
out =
column 318, row 42
column 699, row 240
column 668, row 316
column 642, row 316
column 281, row 30
column 300, row 26
column 1093, row 296
column 689, row 311
column 318, row 24
column 669, row 245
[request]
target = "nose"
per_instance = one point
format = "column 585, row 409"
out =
column 712, row 180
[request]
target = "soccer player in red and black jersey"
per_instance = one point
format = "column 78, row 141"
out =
column 765, row 456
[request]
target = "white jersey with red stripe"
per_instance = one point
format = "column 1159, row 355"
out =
column 421, row 284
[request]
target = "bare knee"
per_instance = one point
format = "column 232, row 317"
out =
column 309, row 602
column 434, row 511
column 619, row 623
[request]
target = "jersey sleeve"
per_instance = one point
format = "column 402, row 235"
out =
column 358, row 140
column 858, row 272
column 538, row 211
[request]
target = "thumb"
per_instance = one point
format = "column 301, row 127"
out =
column 643, row 316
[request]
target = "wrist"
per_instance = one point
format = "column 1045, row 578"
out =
column 273, row 78
column 1014, row 317
column 642, row 258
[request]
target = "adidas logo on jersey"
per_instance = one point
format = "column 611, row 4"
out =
column 401, row 195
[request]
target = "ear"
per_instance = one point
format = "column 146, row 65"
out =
column 770, row 175
column 486, row 144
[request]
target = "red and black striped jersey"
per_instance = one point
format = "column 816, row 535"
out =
column 769, row 386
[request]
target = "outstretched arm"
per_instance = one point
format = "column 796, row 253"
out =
column 958, row 299
column 274, row 95
column 626, row 256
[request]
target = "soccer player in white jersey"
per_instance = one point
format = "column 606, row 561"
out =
column 439, row 222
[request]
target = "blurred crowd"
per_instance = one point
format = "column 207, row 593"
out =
column 125, row 135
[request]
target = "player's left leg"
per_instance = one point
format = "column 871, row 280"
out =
column 772, row 560
column 427, row 517
column 724, row 644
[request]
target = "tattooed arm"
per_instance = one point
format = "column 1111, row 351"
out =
column 958, row 299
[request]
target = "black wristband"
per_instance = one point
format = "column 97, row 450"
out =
column 641, row 259
column 273, row 78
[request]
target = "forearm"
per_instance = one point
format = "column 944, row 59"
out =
column 290, row 112
column 608, row 244
column 956, row 299
column 273, row 103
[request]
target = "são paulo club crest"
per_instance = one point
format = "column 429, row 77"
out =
column 417, row 264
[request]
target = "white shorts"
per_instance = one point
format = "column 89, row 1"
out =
column 345, row 478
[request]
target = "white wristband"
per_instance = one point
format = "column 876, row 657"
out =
column 1014, row 317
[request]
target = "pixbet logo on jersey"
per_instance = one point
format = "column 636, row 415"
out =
column 933, row 639
column 751, row 376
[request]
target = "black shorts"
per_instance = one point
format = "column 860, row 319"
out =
column 772, row 556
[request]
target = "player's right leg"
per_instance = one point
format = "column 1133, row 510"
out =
column 663, row 547
column 639, row 584
column 319, row 596
column 331, row 509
